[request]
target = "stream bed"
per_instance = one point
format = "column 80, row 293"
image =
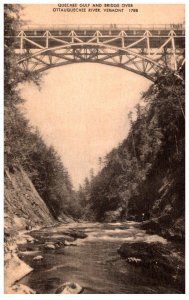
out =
column 94, row 263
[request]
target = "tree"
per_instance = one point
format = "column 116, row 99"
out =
column 154, row 148
column 24, row 146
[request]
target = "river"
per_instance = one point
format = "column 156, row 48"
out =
column 94, row 263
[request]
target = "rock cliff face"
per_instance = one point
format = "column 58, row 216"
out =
column 23, row 210
column 167, row 212
column 23, row 206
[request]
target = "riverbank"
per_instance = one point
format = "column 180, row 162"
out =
column 14, row 268
column 18, row 243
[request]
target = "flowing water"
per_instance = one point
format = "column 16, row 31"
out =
column 94, row 263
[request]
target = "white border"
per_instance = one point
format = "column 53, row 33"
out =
column 2, row 296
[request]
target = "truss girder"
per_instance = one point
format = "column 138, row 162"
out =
column 144, row 54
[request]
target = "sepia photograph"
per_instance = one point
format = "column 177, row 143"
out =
column 94, row 148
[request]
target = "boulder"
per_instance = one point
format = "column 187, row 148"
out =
column 60, row 243
column 50, row 247
column 39, row 257
column 77, row 234
column 26, row 247
column 30, row 239
column 22, row 289
column 113, row 215
column 152, row 226
column 15, row 269
column 142, row 250
column 66, row 243
column 69, row 288
column 137, row 250
column 153, row 257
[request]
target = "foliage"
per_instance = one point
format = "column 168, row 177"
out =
column 23, row 144
column 133, row 172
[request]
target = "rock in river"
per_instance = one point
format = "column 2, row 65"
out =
column 22, row 289
column 30, row 239
column 144, row 251
column 77, row 234
column 66, row 243
column 39, row 257
column 50, row 246
column 152, row 256
column 69, row 288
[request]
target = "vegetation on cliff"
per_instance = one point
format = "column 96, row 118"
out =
column 24, row 145
column 144, row 176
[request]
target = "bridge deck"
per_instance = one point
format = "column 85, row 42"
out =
column 106, row 29
column 159, row 34
column 94, row 27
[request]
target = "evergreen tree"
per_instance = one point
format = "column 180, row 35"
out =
column 24, row 145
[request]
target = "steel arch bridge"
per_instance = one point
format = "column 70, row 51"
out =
column 144, row 50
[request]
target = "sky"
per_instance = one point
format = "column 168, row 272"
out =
column 82, row 109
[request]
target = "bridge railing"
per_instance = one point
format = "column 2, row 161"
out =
column 67, row 27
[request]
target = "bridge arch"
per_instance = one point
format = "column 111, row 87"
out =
column 90, row 52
